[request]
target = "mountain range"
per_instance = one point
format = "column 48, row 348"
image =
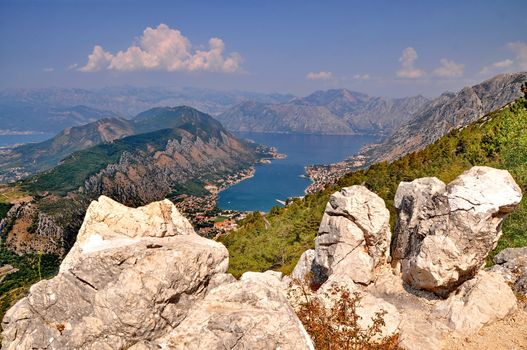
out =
column 31, row 158
column 337, row 111
column 165, row 149
column 53, row 109
column 448, row 112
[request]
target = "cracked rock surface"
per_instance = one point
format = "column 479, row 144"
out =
column 511, row 263
column 445, row 232
column 354, row 234
column 135, row 276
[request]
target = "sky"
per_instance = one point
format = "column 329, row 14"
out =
column 383, row 48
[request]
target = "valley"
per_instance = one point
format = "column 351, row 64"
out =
column 263, row 175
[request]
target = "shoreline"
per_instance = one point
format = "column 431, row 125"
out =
column 205, row 219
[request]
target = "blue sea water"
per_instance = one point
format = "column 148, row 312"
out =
column 9, row 140
column 283, row 177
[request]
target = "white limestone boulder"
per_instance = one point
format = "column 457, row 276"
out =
column 354, row 235
column 444, row 233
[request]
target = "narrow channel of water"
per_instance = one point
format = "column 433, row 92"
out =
column 283, row 178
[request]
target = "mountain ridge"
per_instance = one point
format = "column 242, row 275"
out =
column 20, row 161
column 447, row 112
column 334, row 111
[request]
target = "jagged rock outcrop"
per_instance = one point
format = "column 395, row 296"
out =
column 445, row 232
column 252, row 313
column 141, row 278
column 304, row 266
column 482, row 300
column 354, row 235
column 511, row 263
column 442, row 238
column 28, row 230
column 448, row 112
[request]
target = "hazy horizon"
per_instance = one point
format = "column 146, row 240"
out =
column 380, row 48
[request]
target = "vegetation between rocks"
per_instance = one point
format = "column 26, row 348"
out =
column 31, row 269
column 339, row 327
column 499, row 139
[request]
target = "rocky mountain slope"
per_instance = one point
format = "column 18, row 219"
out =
column 27, row 159
column 499, row 140
column 193, row 152
column 182, row 298
column 450, row 111
column 336, row 111
column 193, row 147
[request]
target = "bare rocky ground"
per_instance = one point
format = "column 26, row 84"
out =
column 507, row 334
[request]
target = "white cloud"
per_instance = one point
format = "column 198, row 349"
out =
column 407, row 60
column 507, row 65
column 497, row 66
column 73, row 66
column 322, row 75
column 48, row 69
column 520, row 49
column 97, row 60
column 361, row 77
column 164, row 48
column 449, row 69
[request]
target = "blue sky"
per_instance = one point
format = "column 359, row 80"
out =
column 390, row 48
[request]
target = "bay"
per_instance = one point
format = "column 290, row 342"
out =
column 10, row 140
column 284, row 178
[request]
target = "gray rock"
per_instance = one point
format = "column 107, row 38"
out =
column 252, row 313
column 482, row 300
column 411, row 199
column 304, row 266
column 444, row 233
column 354, row 234
column 141, row 279
column 511, row 263
column 122, row 291
column 511, row 257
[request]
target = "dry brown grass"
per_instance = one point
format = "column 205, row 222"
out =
column 338, row 328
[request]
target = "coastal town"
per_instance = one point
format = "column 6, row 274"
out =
column 202, row 211
column 211, row 221
column 323, row 175
column 326, row 174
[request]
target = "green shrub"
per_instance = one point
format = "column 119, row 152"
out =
column 498, row 140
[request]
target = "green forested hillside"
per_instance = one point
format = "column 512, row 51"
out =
column 498, row 140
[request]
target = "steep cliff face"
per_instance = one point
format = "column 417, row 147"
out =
column 152, row 173
column 450, row 111
column 337, row 111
